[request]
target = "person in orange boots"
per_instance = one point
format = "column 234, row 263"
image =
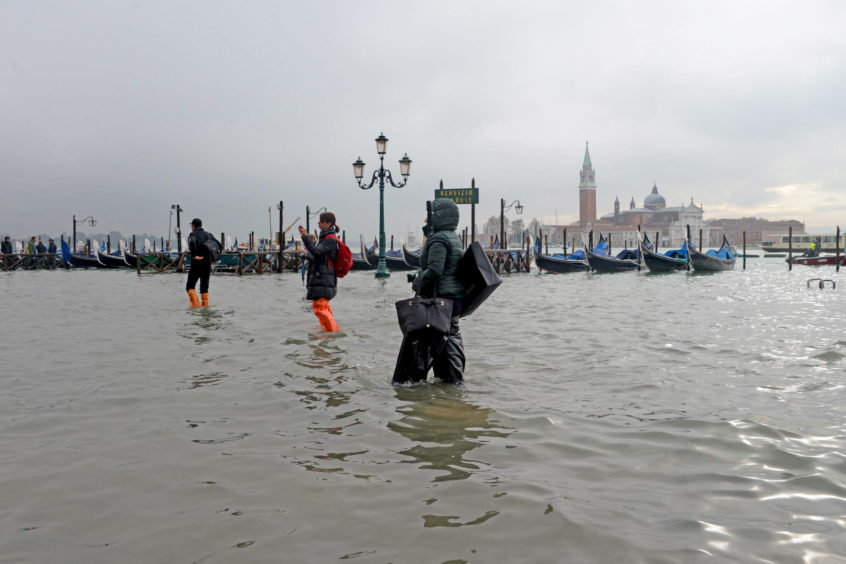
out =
column 200, row 245
column 321, row 281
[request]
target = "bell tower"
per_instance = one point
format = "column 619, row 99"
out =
column 587, row 191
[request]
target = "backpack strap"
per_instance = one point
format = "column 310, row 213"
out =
column 328, row 255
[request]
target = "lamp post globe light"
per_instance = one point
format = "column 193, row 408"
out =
column 382, row 174
column 502, row 209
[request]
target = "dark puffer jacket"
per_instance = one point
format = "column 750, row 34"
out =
column 321, row 281
column 442, row 251
column 197, row 248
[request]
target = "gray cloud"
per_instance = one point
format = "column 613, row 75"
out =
column 121, row 109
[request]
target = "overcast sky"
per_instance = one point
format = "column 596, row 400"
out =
column 119, row 109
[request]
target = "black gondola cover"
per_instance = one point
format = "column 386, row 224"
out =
column 478, row 276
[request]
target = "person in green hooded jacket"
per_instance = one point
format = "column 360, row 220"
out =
column 437, row 278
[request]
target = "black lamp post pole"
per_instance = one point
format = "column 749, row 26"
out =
column 178, row 230
column 281, row 234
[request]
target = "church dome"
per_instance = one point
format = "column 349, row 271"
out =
column 654, row 201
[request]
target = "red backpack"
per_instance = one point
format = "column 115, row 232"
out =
column 343, row 262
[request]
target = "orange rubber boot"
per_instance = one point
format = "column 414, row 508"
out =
column 205, row 298
column 324, row 315
column 193, row 298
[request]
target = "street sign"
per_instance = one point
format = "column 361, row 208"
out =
column 459, row 195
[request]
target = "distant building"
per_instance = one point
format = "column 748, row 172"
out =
column 664, row 225
column 654, row 217
column 587, row 192
column 756, row 229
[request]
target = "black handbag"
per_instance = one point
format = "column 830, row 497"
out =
column 424, row 316
column 477, row 275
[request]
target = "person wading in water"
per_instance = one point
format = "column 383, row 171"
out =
column 436, row 278
column 201, row 263
column 321, row 281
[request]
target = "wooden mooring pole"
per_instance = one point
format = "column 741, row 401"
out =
column 687, row 229
column 837, row 251
column 790, row 248
column 744, row 250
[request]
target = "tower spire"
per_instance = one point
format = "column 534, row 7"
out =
column 587, row 191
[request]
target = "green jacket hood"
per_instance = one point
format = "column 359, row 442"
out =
column 442, row 214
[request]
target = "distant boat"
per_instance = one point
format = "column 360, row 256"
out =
column 714, row 260
column 395, row 260
column 600, row 260
column 669, row 261
column 112, row 261
column 82, row 261
column 360, row 261
column 810, row 258
column 560, row 264
column 781, row 243
column 130, row 259
column 411, row 257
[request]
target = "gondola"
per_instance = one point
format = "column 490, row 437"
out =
column 395, row 260
column 111, row 261
column 360, row 261
column 713, row 261
column 669, row 261
column 411, row 257
column 82, row 261
column 600, row 261
column 130, row 259
column 560, row 265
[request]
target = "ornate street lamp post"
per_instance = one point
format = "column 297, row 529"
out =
column 502, row 209
column 382, row 174
column 310, row 214
column 91, row 221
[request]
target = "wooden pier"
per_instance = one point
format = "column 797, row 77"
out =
column 509, row 260
column 29, row 261
column 234, row 262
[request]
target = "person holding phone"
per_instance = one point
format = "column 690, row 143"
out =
column 321, row 282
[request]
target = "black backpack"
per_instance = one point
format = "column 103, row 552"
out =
column 214, row 247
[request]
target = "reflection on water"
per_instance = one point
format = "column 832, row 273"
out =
column 321, row 351
column 323, row 355
column 443, row 428
column 204, row 322
column 715, row 428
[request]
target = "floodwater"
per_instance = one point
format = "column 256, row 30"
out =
column 605, row 418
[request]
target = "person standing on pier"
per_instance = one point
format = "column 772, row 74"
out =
column 6, row 247
column 30, row 247
column 51, row 248
column 321, row 281
column 40, row 248
column 201, row 263
column 436, row 278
